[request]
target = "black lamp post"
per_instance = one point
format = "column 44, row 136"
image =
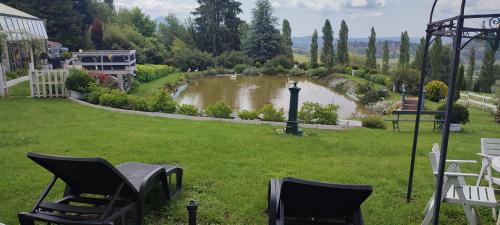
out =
column 292, row 125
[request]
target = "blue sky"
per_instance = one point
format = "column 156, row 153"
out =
column 389, row 17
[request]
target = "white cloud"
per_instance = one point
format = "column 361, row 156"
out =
column 472, row 6
column 332, row 5
column 157, row 8
column 356, row 15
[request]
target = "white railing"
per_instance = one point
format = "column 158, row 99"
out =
column 48, row 83
column 484, row 102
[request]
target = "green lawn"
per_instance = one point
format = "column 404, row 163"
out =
column 301, row 58
column 143, row 88
column 227, row 166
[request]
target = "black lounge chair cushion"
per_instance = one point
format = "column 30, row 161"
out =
column 311, row 200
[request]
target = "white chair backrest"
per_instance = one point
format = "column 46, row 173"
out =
column 490, row 146
column 434, row 157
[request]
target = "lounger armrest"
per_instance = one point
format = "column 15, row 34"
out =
column 490, row 157
column 459, row 174
column 461, row 161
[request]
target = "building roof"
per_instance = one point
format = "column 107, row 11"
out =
column 9, row 11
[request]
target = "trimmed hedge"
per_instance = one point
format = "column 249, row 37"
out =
column 149, row 72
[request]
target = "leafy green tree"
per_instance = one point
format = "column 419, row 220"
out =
column 404, row 50
column 419, row 55
column 436, row 58
column 287, row 39
column 217, row 25
column 96, row 33
column 135, row 17
column 327, row 53
column 460, row 82
column 487, row 75
column 385, row 58
column 470, row 70
column 314, row 50
column 342, row 48
column 264, row 40
column 171, row 29
column 371, row 51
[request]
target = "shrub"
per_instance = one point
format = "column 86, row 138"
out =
column 160, row 100
column 79, row 81
column 139, row 103
column 193, row 59
column 388, row 82
column 348, row 70
column 460, row 114
column 269, row 69
column 240, row 68
column 115, row 99
column 340, row 69
column 360, row 73
column 251, row 71
column 104, row 80
column 149, row 72
column 373, row 122
column 219, row 110
column 304, row 65
column 296, row 72
column 229, row 59
column 186, row 109
column 248, row 115
column 95, row 93
column 436, row 90
column 272, row 114
column 379, row 79
column 381, row 107
column 363, row 88
column 317, row 72
column 281, row 70
column 315, row 113
column 11, row 74
column 282, row 60
column 373, row 71
column 371, row 97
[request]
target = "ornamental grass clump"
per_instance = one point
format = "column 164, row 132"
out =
column 219, row 110
column 272, row 114
column 248, row 115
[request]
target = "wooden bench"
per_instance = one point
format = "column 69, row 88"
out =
column 438, row 123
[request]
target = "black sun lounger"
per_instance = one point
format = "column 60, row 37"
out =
column 98, row 193
column 295, row 201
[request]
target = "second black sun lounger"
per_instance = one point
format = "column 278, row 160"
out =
column 97, row 192
column 293, row 201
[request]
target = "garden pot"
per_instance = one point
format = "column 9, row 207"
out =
column 354, row 72
column 455, row 127
column 76, row 95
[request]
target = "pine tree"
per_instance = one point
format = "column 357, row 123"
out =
column 327, row 54
column 404, row 50
column 385, row 58
column 342, row 48
column 314, row 50
column 217, row 25
column 487, row 75
column 419, row 55
column 287, row 39
column 371, row 51
column 96, row 34
column 470, row 70
column 436, row 57
column 264, row 40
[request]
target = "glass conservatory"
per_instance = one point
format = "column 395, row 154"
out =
column 21, row 33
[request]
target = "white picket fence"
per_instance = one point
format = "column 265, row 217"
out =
column 48, row 83
column 480, row 100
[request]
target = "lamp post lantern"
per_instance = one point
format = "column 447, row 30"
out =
column 292, row 125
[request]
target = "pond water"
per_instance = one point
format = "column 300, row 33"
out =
column 252, row 92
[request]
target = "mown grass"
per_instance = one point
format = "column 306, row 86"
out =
column 301, row 58
column 143, row 88
column 227, row 166
column 21, row 89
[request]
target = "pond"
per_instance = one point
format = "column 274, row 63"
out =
column 253, row 92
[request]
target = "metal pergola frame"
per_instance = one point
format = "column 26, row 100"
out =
column 454, row 28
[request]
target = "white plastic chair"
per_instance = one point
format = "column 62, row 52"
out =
column 490, row 148
column 456, row 191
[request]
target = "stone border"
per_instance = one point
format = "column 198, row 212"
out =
column 344, row 123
